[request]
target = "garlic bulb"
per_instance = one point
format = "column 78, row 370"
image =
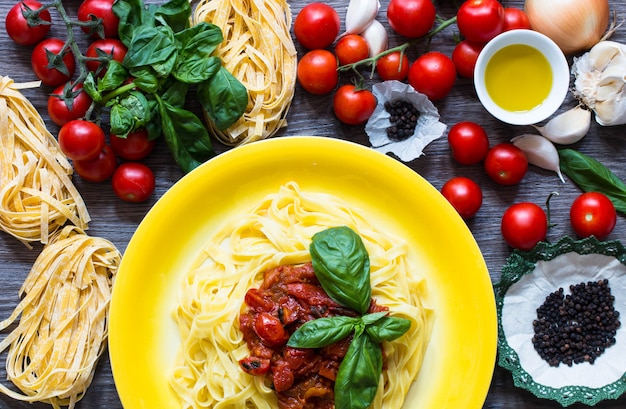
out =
column 568, row 127
column 359, row 15
column 599, row 81
column 376, row 37
column 539, row 152
column 574, row 25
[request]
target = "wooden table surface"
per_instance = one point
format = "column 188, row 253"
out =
column 312, row 115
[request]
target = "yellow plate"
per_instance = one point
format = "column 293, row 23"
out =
column 459, row 362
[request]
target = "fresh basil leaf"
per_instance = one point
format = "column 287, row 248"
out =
column 152, row 46
column 90, row 87
column 202, row 38
column 114, row 77
column 196, row 70
column 153, row 126
column 145, row 78
column 129, row 113
column 342, row 265
column 223, row 98
column 359, row 374
column 322, row 332
column 186, row 136
column 132, row 14
column 176, row 93
column 592, row 176
column 372, row 318
column 388, row 329
column 175, row 14
column 195, row 46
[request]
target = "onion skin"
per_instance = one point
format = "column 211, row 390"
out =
column 574, row 25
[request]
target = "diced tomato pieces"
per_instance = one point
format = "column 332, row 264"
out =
column 310, row 293
column 255, row 366
column 270, row 330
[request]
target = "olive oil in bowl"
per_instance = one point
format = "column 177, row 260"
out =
column 518, row 77
column 521, row 77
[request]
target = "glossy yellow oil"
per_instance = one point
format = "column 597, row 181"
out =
column 518, row 78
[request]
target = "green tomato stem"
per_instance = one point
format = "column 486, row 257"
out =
column 401, row 48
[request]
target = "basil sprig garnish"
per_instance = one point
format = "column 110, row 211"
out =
column 342, row 266
column 592, row 176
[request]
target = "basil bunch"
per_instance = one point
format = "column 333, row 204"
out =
column 165, row 58
column 342, row 266
column 592, row 176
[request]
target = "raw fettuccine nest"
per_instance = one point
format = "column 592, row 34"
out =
column 37, row 196
column 63, row 325
column 258, row 50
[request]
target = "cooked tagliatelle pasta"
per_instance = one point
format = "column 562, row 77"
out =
column 37, row 196
column 63, row 320
column 258, row 50
column 276, row 232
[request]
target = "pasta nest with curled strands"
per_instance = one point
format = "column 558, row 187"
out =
column 37, row 196
column 259, row 52
column 53, row 350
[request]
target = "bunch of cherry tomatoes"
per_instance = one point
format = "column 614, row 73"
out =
column 54, row 63
column 433, row 73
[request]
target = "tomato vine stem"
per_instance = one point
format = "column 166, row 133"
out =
column 401, row 48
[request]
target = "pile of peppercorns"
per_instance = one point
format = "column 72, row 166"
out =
column 403, row 118
column 578, row 327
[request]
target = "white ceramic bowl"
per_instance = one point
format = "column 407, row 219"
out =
column 556, row 60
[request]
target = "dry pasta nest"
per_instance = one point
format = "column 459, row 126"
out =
column 63, row 320
column 37, row 196
column 259, row 52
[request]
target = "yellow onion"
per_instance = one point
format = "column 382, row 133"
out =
column 574, row 25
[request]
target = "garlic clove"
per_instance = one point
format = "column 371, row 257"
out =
column 540, row 152
column 359, row 15
column 567, row 127
column 376, row 37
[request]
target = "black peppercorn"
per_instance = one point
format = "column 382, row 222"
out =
column 403, row 118
column 578, row 327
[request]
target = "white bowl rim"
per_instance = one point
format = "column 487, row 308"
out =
column 558, row 63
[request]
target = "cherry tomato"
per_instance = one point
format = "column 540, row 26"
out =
column 134, row 146
column 433, row 74
column 110, row 48
column 351, row 48
column 524, row 225
column 316, row 25
column 468, row 142
column 480, row 20
column 17, row 25
column 392, row 67
column 515, row 18
column 270, row 330
column 60, row 111
column 506, row 164
column 81, row 140
column 93, row 10
column 411, row 18
column 593, row 214
column 464, row 195
column 317, row 72
column 98, row 169
column 464, row 57
column 353, row 107
column 133, row 182
column 50, row 75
